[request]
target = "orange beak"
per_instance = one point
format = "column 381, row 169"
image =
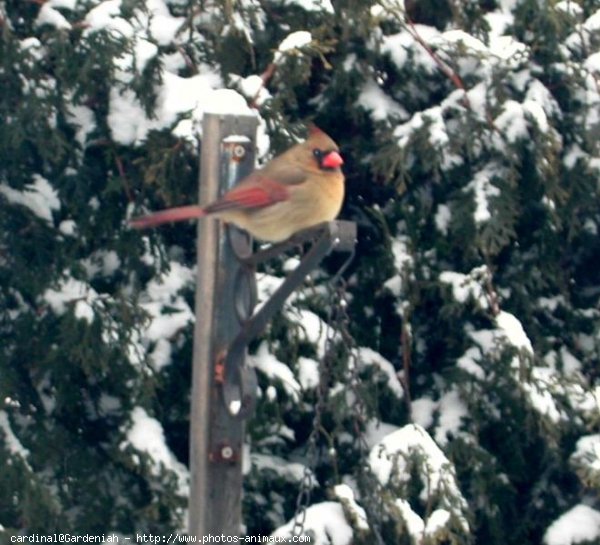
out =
column 332, row 160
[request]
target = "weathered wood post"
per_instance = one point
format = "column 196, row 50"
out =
column 216, row 437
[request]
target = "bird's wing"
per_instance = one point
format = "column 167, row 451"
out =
column 284, row 170
column 255, row 191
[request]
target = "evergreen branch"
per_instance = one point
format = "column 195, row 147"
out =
column 445, row 68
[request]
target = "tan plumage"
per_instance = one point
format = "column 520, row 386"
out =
column 300, row 188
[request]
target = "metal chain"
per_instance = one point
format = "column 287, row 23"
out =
column 338, row 321
column 309, row 474
column 304, row 494
column 360, row 413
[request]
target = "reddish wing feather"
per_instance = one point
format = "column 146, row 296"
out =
column 255, row 193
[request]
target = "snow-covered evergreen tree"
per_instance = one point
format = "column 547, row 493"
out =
column 444, row 391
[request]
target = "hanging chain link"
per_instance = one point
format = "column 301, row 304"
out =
column 309, row 475
column 360, row 411
column 338, row 323
column 359, row 414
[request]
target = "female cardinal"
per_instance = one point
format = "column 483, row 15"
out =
column 300, row 188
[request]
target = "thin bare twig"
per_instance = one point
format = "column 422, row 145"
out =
column 405, row 337
column 265, row 77
column 446, row 70
column 123, row 177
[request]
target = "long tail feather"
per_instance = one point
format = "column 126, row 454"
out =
column 166, row 216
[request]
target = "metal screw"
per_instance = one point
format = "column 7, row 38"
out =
column 226, row 453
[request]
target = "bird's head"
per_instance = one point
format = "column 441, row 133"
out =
column 324, row 152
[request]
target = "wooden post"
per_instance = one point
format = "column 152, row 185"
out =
column 216, row 438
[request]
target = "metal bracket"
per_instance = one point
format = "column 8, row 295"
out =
column 239, row 381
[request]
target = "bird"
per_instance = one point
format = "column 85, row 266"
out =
column 298, row 189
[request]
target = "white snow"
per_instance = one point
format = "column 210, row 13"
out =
column 452, row 410
column 592, row 63
column 460, row 37
column 168, row 311
column 511, row 123
column 166, row 322
column 442, row 218
column 587, row 453
column 145, row 434
column 372, row 98
column 101, row 262
column 437, row 522
column 312, row 5
column 72, row 292
column 265, row 361
column 376, row 430
column 292, row 43
column 160, row 356
column 403, row 262
column 252, row 87
column 422, row 410
column 176, row 95
column 542, row 392
column 570, row 363
column 267, row 285
column 308, row 373
column 50, row 16
column 467, row 286
column 570, row 7
column 64, row 4
column 11, row 441
column 572, row 155
column 310, row 328
column 580, row 523
column 326, row 521
column 468, row 362
column 176, row 278
column 284, row 469
column 368, row 356
column 513, row 329
column 40, row 197
column 346, row 495
column 163, row 27
column 414, row 523
column 394, row 459
column 388, row 459
column 483, row 191
column 508, row 50
column 83, row 119
column 398, row 46
column 196, row 94
column 105, row 16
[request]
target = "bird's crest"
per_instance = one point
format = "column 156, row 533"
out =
column 313, row 130
column 320, row 138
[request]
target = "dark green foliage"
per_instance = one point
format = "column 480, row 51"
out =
column 470, row 140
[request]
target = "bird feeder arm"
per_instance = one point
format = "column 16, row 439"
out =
column 239, row 383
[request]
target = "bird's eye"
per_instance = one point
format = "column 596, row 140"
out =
column 318, row 153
